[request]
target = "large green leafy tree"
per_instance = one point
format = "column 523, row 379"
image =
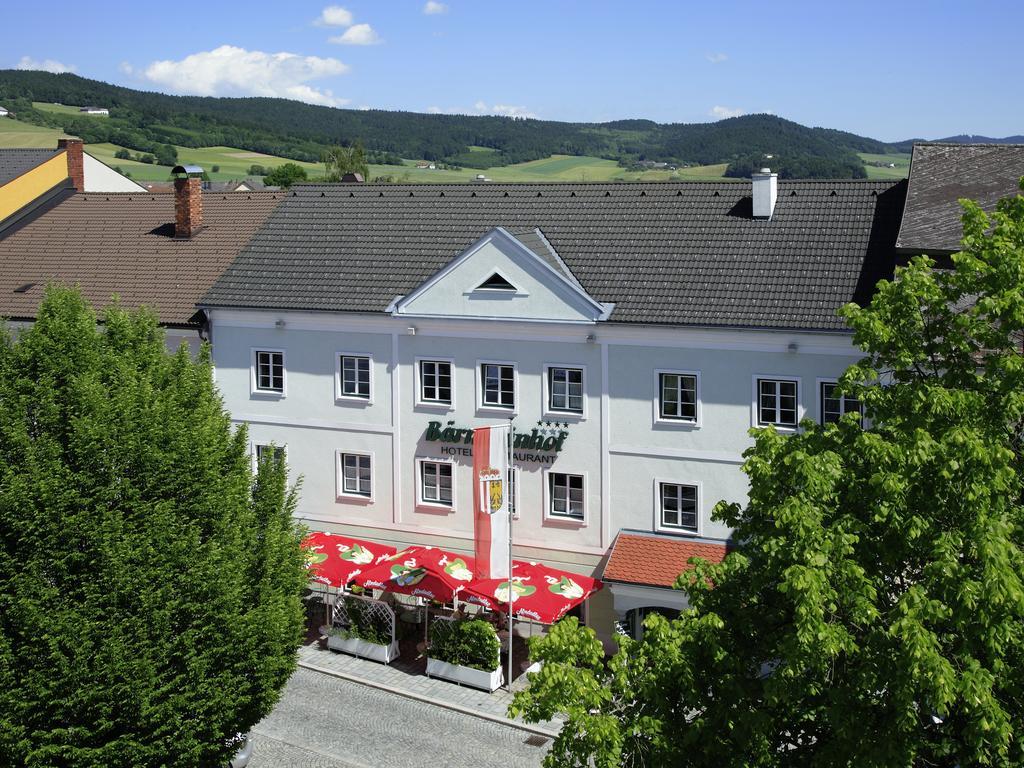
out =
column 149, row 585
column 873, row 611
column 340, row 160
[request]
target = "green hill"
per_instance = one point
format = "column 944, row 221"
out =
column 157, row 124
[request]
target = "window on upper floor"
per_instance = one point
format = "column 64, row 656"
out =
column 565, row 496
column 835, row 405
column 435, row 382
column 677, row 396
column 354, row 376
column 677, row 507
column 565, row 389
column 777, row 402
column 268, row 452
column 497, row 385
column 356, row 474
column 436, row 483
column 268, row 375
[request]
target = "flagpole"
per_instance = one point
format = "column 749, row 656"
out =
column 511, row 511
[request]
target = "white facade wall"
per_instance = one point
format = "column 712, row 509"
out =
column 618, row 444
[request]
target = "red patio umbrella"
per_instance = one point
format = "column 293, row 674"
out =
column 422, row 572
column 539, row 592
column 333, row 559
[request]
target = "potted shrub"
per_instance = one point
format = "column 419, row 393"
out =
column 362, row 635
column 468, row 653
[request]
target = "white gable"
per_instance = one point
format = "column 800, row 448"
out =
column 499, row 278
column 100, row 177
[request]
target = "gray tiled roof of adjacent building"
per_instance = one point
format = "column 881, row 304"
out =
column 686, row 253
column 941, row 175
column 15, row 162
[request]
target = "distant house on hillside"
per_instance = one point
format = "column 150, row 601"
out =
column 4, row 112
column 95, row 111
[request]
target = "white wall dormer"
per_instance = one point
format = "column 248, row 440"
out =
column 500, row 278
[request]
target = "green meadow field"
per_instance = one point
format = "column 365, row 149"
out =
column 902, row 163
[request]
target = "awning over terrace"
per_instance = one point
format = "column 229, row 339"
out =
column 538, row 592
column 335, row 560
column 421, row 572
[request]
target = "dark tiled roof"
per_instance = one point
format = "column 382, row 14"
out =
column 123, row 244
column 942, row 174
column 656, row 561
column 676, row 253
column 15, row 162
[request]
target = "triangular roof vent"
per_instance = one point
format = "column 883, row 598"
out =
column 496, row 283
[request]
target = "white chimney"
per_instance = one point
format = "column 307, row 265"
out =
column 766, row 189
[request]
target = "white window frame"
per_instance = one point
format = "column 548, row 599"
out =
column 562, row 519
column 435, row 506
column 755, row 402
column 546, row 408
column 698, row 405
column 434, row 405
column 659, row 524
column 254, row 449
column 820, row 400
column 340, row 396
column 339, row 468
column 483, row 407
column 254, row 373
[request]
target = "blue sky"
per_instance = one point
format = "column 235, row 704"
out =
column 891, row 70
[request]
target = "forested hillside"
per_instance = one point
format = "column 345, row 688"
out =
column 154, row 122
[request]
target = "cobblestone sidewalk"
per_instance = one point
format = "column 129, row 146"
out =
column 407, row 676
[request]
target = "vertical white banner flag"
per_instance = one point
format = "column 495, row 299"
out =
column 491, row 501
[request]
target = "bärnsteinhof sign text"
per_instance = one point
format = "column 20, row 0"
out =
column 460, row 439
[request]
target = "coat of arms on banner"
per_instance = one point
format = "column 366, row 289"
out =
column 492, row 487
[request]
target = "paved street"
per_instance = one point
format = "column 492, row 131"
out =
column 324, row 722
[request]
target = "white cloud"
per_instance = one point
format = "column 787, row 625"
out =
column 509, row 110
column 434, row 110
column 126, row 67
column 232, row 71
column 433, row 8
column 720, row 113
column 44, row 65
column 335, row 16
column 716, row 58
column 360, row 34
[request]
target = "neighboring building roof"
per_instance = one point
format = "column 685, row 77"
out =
column 123, row 244
column 941, row 175
column 687, row 253
column 656, row 561
column 15, row 162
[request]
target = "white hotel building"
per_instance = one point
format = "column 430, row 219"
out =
column 633, row 333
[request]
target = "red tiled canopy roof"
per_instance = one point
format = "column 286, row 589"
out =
column 656, row 561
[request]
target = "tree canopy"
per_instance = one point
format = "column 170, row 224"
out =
column 341, row 160
column 872, row 612
column 149, row 583
column 285, row 175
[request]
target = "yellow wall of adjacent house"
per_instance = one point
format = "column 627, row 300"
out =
column 22, row 190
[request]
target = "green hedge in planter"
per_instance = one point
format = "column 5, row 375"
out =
column 361, row 624
column 469, row 643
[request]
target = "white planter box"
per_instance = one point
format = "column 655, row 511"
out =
column 476, row 678
column 364, row 649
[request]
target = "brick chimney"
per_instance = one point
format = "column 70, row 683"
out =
column 76, row 162
column 188, row 201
